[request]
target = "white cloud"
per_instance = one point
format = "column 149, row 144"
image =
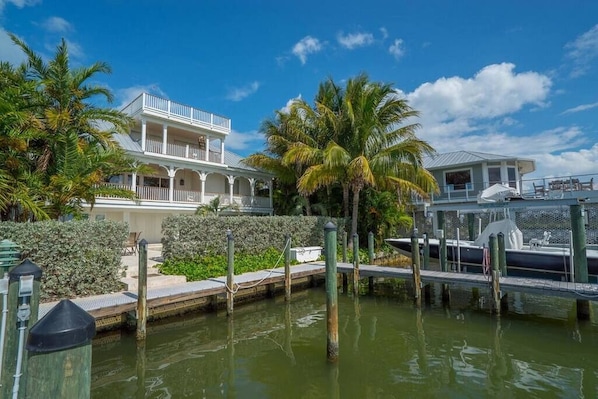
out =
column 582, row 51
column 396, row 49
column 579, row 108
column 581, row 162
column 18, row 3
column 384, row 33
column 57, row 24
column 240, row 141
column 287, row 108
column 10, row 53
column 305, row 46
column 127, row 95
column 354, row 40
column 239, row 93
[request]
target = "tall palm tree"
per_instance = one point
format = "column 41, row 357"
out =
column 374, row 146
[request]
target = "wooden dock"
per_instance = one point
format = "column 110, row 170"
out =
column 116, row 309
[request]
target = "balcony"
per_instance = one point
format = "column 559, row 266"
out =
column 164, row 108
column 188, row 151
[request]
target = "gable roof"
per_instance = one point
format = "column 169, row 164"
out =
column 461, row 158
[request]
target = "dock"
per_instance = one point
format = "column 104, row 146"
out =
column 112, row 310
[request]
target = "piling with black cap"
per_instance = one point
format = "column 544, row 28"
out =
column 23, row 304
column 59, row 354
column 142, row 311
column 331, row 292
column 287, row 267
column 230, row 275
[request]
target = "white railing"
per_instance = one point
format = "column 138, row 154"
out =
column 188, row 151
column 186, row 113
column 152, row 193
column 116, row 186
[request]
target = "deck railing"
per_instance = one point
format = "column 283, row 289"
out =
column 188, row 151
column 185, row 113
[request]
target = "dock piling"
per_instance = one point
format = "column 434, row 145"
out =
column 355, row 265
column 415, row 266
column 495, row 274
column 426, row 264
column 230, row 272
column 142, row 292
column 331, row 292
column 287, row 267
column 580, row 260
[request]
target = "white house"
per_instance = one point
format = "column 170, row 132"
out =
column 185, row 149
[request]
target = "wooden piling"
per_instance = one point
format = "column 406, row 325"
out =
column 415, row 266
column 344, row 246
column 371, row 247
column 142, row 292
column 502, row 254
column 230, row 272
column 580, row 259
column 355, row 265
column 495, row 274
column 441, row 233
column 287, row 267
column 332, row 347
column 426, row 264
column 471, row 226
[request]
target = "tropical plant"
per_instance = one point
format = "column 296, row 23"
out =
column 215, row 207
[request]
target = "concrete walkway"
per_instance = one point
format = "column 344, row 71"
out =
column 130, row 262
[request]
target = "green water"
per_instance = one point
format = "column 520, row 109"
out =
column 388, row 349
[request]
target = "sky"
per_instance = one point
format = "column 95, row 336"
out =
column 517, row 78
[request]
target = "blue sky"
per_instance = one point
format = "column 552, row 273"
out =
column 510, row 77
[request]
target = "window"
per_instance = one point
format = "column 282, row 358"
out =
column 458, row 179
column 235, row 187
column 512, row 177
column 494, row 175
column 156, row 182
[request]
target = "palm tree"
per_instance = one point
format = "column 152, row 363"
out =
column 214, row 207
column 372, row 146
column 73, row 148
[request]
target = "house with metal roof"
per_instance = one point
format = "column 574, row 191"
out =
column 184, row 150
column 461, row 175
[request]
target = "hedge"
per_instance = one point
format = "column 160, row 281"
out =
column 189, row 236
column 77, row 258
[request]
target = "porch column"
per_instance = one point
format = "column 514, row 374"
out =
column 252, row 189
column 143, row 133
column 222, row 151
column 270, row 190
column 164, row 138
column 231, row 185
column 207, row 154
column 202, row 178
column 134, row 181
column 171, row 174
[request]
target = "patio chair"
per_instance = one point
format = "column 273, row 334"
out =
column 539, row 190
column 130, row 246
column 587, row 185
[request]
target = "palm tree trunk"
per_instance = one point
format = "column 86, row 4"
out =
column 346, row 201
column 307, row 206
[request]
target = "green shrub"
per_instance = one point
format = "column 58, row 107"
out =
column 189, row 237
column 77, row 258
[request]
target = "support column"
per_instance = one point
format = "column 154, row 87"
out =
column 222, row 151
column 164, row 138
column 231, row 186
column 134, row 182
column 171, row 174
column 252, row 189
column 143, row 134
column 202, row 178
column 207, row 153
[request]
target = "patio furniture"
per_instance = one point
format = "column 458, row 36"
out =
column 587, row 185
column 130, row 246
column 539, row 190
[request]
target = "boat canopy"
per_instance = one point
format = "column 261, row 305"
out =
column 513, row 236
column 496, row 193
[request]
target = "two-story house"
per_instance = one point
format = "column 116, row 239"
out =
column 184, row 147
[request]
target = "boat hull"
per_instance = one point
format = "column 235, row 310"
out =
column 545, row 263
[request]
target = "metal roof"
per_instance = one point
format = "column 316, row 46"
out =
column 457, row 158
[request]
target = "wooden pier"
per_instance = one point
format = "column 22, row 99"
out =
column 113, row 310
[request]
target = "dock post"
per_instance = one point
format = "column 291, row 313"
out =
column 287, row 267
column 344, row 244
column 371, row 247
column 142, row 292
column 59, row 354
column 426, row 264
column 230, row 272
column 355, row 265
column 471, row 226
column 580, row 259
column 502, row 254
column 23, row 305
column 441, row 233
column 331, row 292
column 495, row 274
column 415, row 265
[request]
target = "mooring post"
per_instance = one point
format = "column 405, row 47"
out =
column 426, row 264
column 471, row 226
column 331, row 292
column 355, row 265
column 502, row 254
column 230, row 272
column 287, row 267
column 142, row 291
column 9, row 258
column 59, row 358
column 580, row 260
column 415, row 265
column 344, row 244
column 442, row 241
column 23, row 305
column 371, row 247
column 495, row 274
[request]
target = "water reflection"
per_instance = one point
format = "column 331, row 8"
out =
column 387, row 348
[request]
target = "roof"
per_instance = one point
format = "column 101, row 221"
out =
column 450, row 159
column 231, row 159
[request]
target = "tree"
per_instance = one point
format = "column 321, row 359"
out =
column 65, row 141
column 371, row 145
column 214, row 207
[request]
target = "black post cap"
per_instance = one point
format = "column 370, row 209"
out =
column 64, row 327
column 25, row 268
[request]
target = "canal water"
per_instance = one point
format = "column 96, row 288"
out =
column 387, row 349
